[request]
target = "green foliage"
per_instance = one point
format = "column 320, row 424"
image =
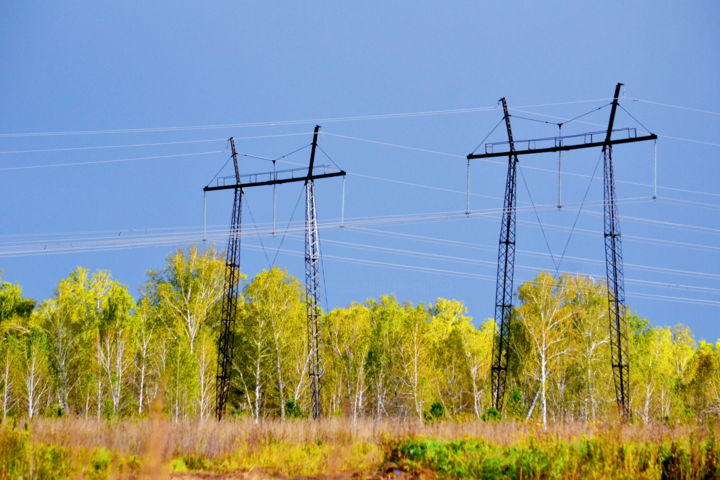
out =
column 557, row 459
column 52, row 462
column 293, row 410
column 93, row 350
column 12, row 303
column 15, row 453
column 514, row 406
column 436, row 412
column 99, row 468
column 20, row 459
column 492, row 415
column 178, row 465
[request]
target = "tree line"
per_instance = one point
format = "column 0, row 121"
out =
column 92, row 349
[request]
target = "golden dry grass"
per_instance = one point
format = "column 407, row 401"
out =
column 214, row 439
column 334, row 447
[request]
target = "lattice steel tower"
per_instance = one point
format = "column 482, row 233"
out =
column 312, row 268
column 228, row 314
column 312, row 285
column 613, row 246
column 505, row 272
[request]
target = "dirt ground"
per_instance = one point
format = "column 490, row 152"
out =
column 388, row 472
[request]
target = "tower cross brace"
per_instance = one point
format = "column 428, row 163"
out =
column 613, row 249
column 226, row 339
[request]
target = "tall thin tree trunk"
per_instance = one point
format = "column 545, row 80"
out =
column 258, row 386
column 543, row 386
column 6, row 388
column 281, row 384
column 141, row 393
column 476, row 390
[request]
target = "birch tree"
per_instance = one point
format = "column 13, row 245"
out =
column 274, row 334
column 34, row 369
column 478, row 350
column 545, row 318
column 591, row 375
column 346, row 333
column 186, row 296
column 15, row 311
column 115, row 331
column 188, row 289
column 147, row 346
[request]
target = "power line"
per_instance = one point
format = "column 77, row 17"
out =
column 450, row 273
column 496, row 162
column 186, row 236
column 403, row 252
column 681, row 139
column 350, row 118
column 380, row 219
column 415, row 268
column 119, row 160
column 670, row 105
column 489, row 263
column 492, row 248
column 393, row 218
column 156, row 144
column 377, row 142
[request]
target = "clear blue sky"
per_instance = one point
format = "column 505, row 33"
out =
column 98, row 65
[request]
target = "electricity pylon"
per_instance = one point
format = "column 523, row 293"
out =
column 226, row 339
column 613, row 246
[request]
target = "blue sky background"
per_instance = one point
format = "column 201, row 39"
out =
column 98, row 66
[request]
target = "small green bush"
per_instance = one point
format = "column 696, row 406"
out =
column 100, row 464
column 15, row 453
column 436, row 412
column 51, row 462
column 557, row 459
column 491, row 415
column 19, row 459
column 196, row 462
column 293, row 410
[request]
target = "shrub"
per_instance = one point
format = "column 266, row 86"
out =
column 557, row 459
column 436, row 412
column 492, row 415
column 51, row 462
column 14, row 453
column 19, row 459
column 293, row 410
column 100, row 464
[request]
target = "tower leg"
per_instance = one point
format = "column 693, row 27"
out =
column 312, row 288
column 226, row 340
column 616, row 290
column 505, row 274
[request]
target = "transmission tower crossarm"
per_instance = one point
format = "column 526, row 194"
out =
column 564, row 143
column 563, row 148
column 279, row 181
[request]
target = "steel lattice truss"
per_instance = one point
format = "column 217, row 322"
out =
column 226, row 339
column 228, row 314
column 613, row 248
column 505, row 273
column 312, row 292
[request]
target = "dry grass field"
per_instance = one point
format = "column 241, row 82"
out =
column 341, row 448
